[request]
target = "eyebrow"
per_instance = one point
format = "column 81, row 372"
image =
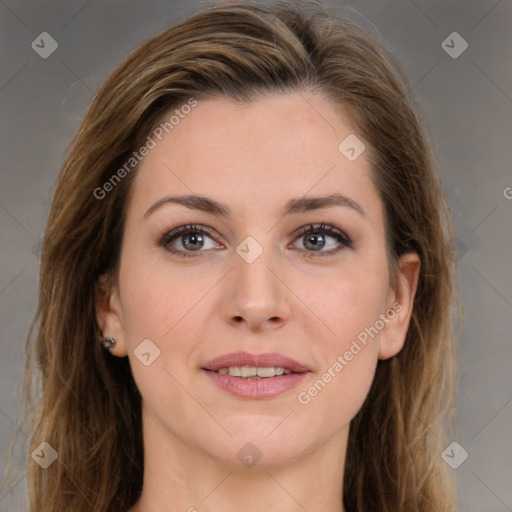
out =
column 293, row 206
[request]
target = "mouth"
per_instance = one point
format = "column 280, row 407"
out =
column 255, row 376
column 253, row 372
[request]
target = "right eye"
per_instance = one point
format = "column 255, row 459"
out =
column 191, row 238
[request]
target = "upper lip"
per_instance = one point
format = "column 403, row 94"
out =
column 255, row 360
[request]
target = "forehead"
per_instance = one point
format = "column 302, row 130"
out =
column 254, row 154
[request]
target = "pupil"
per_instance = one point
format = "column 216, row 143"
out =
column 316, row 241
column 194, row 239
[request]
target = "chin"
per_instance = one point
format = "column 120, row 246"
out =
column 263, row 442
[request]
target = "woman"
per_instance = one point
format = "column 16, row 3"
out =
column 250, row 221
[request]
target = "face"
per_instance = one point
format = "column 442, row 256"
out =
column 268, row 279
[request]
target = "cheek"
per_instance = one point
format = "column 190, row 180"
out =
column 348, row 349
column 346, row 301
column 346, row 359
column 157, row 299
column 163, row 308
column 166, row 307
column 333, row 399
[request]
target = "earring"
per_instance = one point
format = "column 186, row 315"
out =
column 108, row 343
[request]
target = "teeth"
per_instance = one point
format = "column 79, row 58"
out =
column 248, row 371
column 251, row 372
column 265, row 372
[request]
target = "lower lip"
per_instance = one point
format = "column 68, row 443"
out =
column 256, row 389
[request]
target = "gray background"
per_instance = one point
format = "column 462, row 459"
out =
column 468, row 103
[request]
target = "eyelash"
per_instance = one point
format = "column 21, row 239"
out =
column 339, row 236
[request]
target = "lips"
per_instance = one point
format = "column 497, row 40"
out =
column 255, row 388
column 266, row 360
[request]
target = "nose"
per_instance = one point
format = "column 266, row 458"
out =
column 256, row 295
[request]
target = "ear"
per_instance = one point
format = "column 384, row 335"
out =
column 109, row 314
column 399, row 306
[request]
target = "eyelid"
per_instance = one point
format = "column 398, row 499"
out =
column 340, row 236
column 324, row 228
column 170, row 235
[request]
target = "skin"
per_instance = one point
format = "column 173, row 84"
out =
column 253, row 158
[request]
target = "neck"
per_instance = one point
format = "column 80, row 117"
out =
column 180, row 477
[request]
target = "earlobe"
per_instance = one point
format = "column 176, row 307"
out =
column 393, row 335
column 109, row 315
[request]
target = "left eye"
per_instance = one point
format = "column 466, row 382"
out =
column 314, row 239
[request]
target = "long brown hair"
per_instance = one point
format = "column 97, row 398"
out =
column 88, row 407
